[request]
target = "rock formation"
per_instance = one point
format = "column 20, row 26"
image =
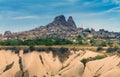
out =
column 71, row 22
column 7, row 33
column 52, row 63
column 62, row 29
column 61, row 21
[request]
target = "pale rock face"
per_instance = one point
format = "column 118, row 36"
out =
column 8, row 64
column 43, row 64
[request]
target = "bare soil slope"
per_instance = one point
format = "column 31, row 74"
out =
column 57, row 64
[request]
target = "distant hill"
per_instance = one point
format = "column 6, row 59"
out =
column 61, row 28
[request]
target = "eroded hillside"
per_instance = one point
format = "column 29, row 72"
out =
column 53, row 62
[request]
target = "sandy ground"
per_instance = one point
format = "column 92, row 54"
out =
column 42, row 64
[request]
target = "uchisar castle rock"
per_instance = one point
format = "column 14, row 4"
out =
column 61, row 28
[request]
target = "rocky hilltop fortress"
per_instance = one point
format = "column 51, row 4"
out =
column 61, row 28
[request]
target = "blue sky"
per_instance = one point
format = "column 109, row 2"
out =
column 20, row 15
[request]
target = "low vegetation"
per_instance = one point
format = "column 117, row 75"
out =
column 36, row 41
column 50, row 41
column 85, row 60
column 100, row 49
column 113, row 50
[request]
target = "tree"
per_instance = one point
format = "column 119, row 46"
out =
column 93, row 42
column 84, row 61
column 100, row 48
column 103, row 44
column 36, row 41
column 79, row 40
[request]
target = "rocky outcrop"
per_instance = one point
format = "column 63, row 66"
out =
column 71, row 22
column 61, row 21
column 7, row 33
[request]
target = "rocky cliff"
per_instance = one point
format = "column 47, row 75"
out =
column 71, row 22
column 61, row 21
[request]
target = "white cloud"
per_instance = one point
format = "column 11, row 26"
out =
column 112, row 10
column 116, row 1
column 105, row 1
column 58, row 4
column 26, row 17
column 116, row 9
column 113, row 1
column 72, row 1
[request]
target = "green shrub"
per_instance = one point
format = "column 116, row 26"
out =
column 48, row 41
column 112, row 49
column 85, row 60
column 99, row 57
column 118, row 50
column 103, row 44
column 100, row 49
